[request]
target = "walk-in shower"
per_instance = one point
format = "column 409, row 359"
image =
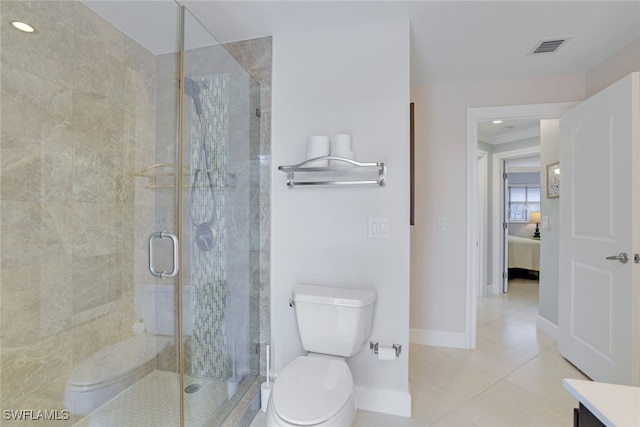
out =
column 129, row 218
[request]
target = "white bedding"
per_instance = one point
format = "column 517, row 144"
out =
column 524, row 253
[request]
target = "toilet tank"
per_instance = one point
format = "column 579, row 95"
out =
column 334, row 321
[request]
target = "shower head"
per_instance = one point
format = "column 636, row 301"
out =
column 192, row 88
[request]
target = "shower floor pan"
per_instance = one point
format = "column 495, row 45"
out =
column 153, row 402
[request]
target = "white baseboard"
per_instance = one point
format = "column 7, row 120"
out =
column 493, row 289
column 437, row 338
column 547, row 327
column 392, row 402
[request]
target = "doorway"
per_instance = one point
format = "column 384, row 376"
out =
column 475, row 115
column 515, row 248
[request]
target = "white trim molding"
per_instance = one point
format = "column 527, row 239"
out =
column 438, row 338
column 392, row 402
column 483, row 230
column 547, row 327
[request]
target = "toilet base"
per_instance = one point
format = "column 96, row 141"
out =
column 344, row 418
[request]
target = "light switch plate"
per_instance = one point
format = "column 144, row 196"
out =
column 378, row 228
column 545, row 222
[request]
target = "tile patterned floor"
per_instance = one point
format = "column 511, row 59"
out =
column 512, row 379
column 153, row 402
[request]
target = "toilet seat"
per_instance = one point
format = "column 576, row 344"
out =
column 311, row 390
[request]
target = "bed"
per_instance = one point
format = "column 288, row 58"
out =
column 524, row 253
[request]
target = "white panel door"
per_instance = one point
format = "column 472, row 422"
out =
column 599, row 211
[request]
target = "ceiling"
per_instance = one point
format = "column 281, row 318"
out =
column 508, row 130
column 523, row 164
column 451, row 41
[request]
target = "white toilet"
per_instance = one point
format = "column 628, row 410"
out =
column 317, row 389
column 112, row 369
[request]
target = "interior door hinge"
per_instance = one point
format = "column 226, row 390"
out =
column 505, row 225
column 505, row 176
column 505, row 274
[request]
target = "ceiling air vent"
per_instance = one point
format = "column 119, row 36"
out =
column 548, row 46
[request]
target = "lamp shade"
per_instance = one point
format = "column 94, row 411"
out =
column 534, row 217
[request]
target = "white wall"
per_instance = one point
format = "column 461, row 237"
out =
column 353, row 80
column 550, row 240
column 438, row 305
column 613, row 68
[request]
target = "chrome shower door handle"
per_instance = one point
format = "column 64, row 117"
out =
column 174, row 240
column 622, row 257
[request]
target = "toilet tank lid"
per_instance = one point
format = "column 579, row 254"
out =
column 329, row 295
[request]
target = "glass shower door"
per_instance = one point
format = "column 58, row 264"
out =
column 88, row 148
column 129, row 208
column 220, row 228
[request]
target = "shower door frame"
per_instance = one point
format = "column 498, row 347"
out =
column 179, row 219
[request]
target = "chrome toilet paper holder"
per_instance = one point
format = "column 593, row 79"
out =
column 373, row 346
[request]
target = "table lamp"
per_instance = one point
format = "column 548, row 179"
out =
column 535, row 217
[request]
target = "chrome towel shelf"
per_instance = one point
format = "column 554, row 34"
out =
column 348, row 174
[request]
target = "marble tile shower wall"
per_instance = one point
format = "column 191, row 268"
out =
column 77, row 118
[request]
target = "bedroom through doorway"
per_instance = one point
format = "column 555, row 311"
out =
column 489, row 282
column 512, row 195
column 521, row 218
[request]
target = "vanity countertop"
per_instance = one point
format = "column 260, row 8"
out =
column 613, row 404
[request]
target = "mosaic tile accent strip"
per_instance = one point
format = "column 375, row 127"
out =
column 208, row 275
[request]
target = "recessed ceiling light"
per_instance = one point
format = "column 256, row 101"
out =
column 497, row 122
column 23, row 27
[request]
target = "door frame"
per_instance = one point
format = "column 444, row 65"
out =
column 474, row 114
column 498, row 205
column 483, row 176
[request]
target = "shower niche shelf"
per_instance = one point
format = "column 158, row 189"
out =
column 343, row 171
column 162, row 176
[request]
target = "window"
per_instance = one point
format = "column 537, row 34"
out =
column 523, row 199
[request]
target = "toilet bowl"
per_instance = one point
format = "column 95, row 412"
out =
column 317, row 389
column 108, row 372
column 112, row 369
column 313, row 391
